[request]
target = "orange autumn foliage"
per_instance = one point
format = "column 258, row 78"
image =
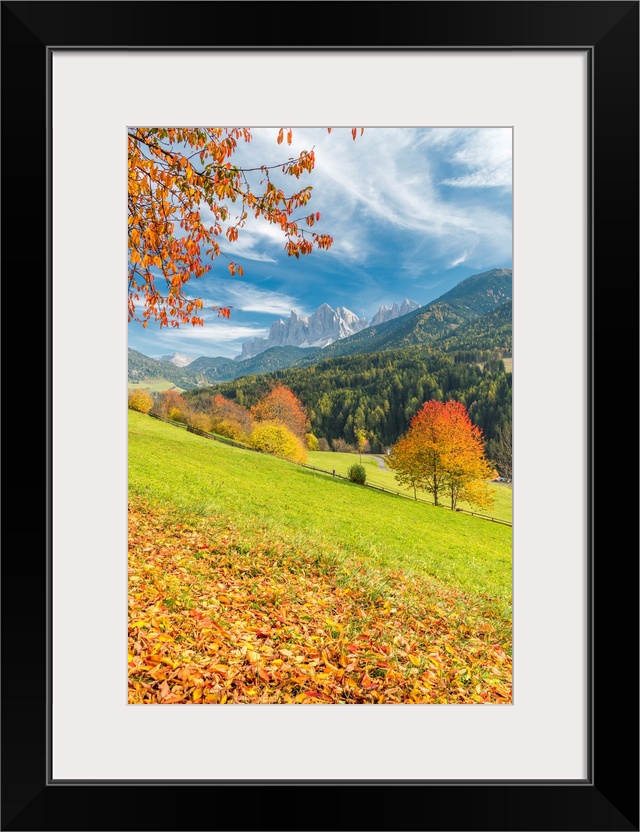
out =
column 170, row 404
column 442, row 453
column 282, row 406
column 230, row 418
column 187, row 200
column 270, row 623
column 140, row 400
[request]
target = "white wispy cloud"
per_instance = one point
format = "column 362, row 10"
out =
column 463, row 257
column 214, row 338
column 253, row 240
column 248, row 298
column 487, row 156
column 389, row 183
column 216, row 332
column 402, row 205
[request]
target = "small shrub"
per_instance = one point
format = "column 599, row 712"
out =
column 140, row 400
column 323, row 445
column 356, row 473
column 312, row 442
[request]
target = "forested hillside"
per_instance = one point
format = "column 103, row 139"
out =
column 209, row 370
column 471, row 299
column 379, row 393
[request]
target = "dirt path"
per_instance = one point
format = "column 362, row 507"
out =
column 379, row 459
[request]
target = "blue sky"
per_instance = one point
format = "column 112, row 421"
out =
column 412, row 212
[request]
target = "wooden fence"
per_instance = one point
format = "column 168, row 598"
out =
column 333, row 473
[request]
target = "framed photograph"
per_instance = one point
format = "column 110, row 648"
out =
column 562, row 80
column 291, row 424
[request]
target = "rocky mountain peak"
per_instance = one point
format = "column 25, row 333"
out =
column 319, row 329
column 385, row 314
column 178, row 359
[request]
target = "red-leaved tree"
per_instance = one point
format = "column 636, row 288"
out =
column 169, row 405
column 281, row 406
column 442, row 453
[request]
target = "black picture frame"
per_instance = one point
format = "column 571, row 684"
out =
column 608, row 798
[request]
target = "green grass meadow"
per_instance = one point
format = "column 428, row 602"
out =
column 194, row 476
column 329, row 460
column 154, row 385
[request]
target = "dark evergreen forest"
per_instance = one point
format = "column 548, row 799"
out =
column 380, row 392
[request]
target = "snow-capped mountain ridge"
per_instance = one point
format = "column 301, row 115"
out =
column 319, row 329
column 178, row 359
column 385, row 314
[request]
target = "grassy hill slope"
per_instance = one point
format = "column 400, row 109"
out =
column 190, row 472
column 341, row 462
column 255, row 580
